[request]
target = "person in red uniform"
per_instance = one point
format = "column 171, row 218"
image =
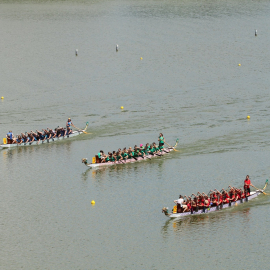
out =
column 200, row 202
column 206, row 201
column 232, row 195
column 188, row 204
column 194, row 203
column 247, row 184
column 239, row 193
column 226, row 196
column 214, row 199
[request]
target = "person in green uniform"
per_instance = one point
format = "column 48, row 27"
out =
column 156, row 148
column 124, row 154
column 142, row 150
column 152, row 150
column 146, row 148
column 130, row 153
column 161, row 140
column 137, row 152
column 113, row 159
column 108, row 156
column 101, row 156
column 119, row 156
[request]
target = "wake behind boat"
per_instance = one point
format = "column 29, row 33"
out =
column 130, row 155
column 178, row 211
column 39, row 138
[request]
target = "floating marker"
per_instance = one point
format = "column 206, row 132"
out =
column 76, row 52
column 2, row 97
column 248, row 117
column 255, row 32
column 117, row 47
column 93, row 202
column 122, row 107
column 239, row 65
column 141, row 58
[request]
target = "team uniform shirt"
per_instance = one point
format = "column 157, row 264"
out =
column 247, row 183
column 180, row 201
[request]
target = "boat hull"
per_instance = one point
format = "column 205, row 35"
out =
column 132, row 160
column 253, row 195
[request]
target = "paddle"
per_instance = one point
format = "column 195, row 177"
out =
column 266, row 182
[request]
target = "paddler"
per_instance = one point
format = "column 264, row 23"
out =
column 141, row 149
column 101, row 156
column 226, row 197
column 118, row 155
column 180, row 204
column 194, row 202
column 130, row 153
column 31, row 137
column 232, row 195
column 19, row 139
column 124, row 154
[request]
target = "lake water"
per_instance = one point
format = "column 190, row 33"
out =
column 177, row 71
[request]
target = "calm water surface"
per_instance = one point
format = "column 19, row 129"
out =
column 188, row 85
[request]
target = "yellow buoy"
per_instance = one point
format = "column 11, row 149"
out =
column 248, row 117
column 122, row 107
column 141, row 58
column 2, row 97
column 239, row 65
column 93, row 202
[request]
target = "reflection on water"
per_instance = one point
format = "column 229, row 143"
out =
column 214, row 220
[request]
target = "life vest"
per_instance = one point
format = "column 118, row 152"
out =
column 175, row 209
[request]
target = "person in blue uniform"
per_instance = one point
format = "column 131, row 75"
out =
column 10, row 137
column 68, row 125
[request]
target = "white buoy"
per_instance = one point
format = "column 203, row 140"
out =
column 255, row 32
column 76, row 52
column 117, row 47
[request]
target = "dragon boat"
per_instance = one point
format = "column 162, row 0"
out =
column 253, row 195
column 56, row 139
column 96, row 161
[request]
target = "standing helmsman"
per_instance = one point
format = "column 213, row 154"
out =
column 68, row 125
column 10, row 137
column 161, row 140
column 247, row 184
